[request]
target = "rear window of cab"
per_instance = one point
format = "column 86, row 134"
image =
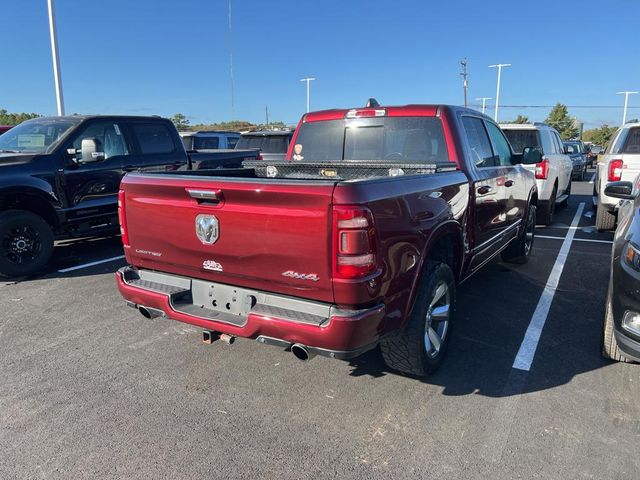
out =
column 387, row 139
column 521, row 138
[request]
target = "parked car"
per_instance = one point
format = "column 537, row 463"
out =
column 273, row 144
column 59, row 177
column 592, row 154
column 621, row 161
column 553, row 173
column 358, row 238
column 621, row 336
column 209, row 140
column 5, row 128
column 575, row 150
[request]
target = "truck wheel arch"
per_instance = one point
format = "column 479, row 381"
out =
column 30, row 201
column 445, row 244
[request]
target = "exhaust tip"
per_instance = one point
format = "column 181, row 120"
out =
column 146, row 313
column 301, row 352
column 228, row 339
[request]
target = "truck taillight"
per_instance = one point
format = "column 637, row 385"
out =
column 615, row 170
column 542, row 169
column 122, row 218
column 353, row 242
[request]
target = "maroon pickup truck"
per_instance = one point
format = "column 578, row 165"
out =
column 357, row 239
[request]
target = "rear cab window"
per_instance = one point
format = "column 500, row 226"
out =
column 384, row 139
column 632, row 142
column 206, row 142
column 521, row 138
column 266, row 143
column 153, row 138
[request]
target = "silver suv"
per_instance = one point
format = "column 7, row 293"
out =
column 621, row 161
column 553, row 173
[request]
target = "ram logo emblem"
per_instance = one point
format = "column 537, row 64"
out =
column 207, row 229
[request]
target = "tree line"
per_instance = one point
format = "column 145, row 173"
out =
column 182, row 123
column 7, row 118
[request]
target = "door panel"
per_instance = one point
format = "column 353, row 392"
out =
column 92, row 186
column 514, row 182
column 489, row 192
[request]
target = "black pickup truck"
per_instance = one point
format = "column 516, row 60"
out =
column 59, row 178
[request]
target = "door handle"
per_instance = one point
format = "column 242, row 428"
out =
column 484, row 190
column 508, row 183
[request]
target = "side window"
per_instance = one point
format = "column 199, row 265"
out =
column 231, row 142
column 108, row 137
column 153, row 138
column 559, row 144
column 500, row 143
column 615, row 145
column 479, row 142
column 548, row 146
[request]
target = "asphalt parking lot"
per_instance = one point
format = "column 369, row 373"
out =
column 89, row 388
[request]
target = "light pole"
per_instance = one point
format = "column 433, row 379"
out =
column 465, row 84
column 499, row 66
column 484, row 102
column 56, row 57
column 626, row 102
column 308, row 80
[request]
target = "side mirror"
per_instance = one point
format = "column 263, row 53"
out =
column 621, row 190
column 90, row 151
column 531, row 155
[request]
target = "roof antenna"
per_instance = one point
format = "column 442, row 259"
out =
column 372, row 103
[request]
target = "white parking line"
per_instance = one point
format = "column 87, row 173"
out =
column 593, row 178
column 575, row 239
column 91, row 264
column 527, row 350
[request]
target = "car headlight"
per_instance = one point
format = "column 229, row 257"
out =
column 631, row 256
column 631, row 322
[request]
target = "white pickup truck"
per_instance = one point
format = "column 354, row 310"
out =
column 621, row 161
column 553, row 173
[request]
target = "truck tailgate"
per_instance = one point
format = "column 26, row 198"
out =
column 271, row 235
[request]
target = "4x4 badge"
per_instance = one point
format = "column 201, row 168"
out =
column 207, row 229
column 301, row 276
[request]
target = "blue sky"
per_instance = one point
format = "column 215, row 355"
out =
column 162, row 57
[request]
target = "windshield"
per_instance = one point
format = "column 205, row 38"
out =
column 266, row 143
column 35, row 136
column 520, row 138
column 395, row 139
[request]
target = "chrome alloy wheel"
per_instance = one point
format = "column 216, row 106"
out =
column 437, row 320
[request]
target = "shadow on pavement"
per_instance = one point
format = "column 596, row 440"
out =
column 491, row 325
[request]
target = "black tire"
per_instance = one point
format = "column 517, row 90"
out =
column 519, row 250
column 605, row 220
column 545, row 217
column 26, row 243
column 610, row 348
column 407, row 351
